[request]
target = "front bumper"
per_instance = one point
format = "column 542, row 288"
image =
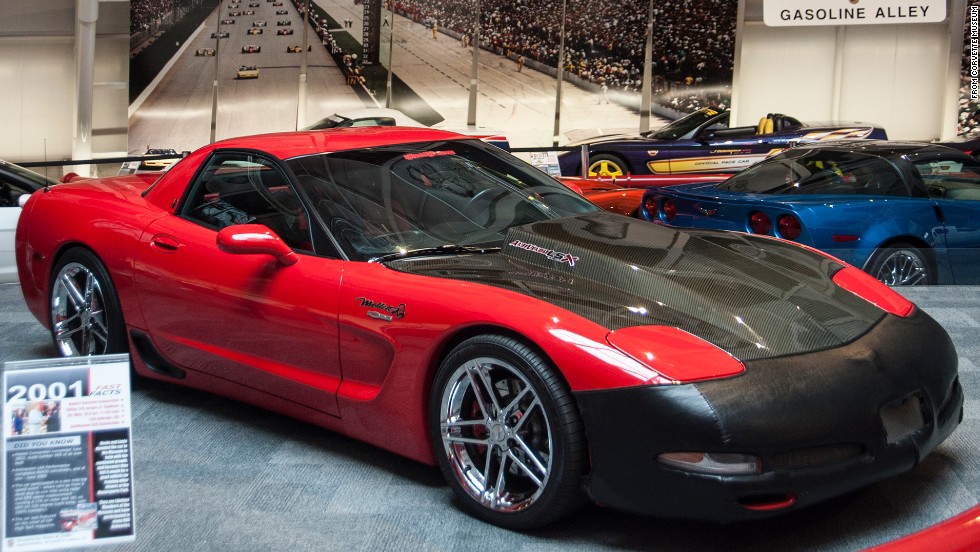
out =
column 823, row 424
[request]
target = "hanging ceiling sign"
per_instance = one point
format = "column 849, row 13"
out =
column 805, row 13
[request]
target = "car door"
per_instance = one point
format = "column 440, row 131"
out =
column 716, row 148
column 244, row 318
column 953, row 182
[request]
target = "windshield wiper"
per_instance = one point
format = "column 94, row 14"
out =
column 445, row 249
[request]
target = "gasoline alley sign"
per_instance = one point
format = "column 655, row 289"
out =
column 802, row 13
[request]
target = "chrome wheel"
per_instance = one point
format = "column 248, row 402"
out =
column 496, row 434
column 85, row 314
column 901, row 266
column 507, row 433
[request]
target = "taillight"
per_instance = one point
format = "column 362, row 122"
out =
column 759, row 223
column 650, row 206
column 669, row 209
column 788, row 227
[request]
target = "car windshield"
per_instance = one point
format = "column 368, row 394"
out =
column 683, row 126
column 329, row 122
column 38, row 180
column 816, row 171
column 396, row 199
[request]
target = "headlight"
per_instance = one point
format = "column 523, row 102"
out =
column 712, row 462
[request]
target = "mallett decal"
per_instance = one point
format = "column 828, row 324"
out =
column 397, row 311
column 556, row 256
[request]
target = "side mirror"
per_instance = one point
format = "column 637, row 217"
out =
column 22, row 200
column 255, row 239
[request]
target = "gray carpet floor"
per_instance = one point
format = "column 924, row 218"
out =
column 214, row 474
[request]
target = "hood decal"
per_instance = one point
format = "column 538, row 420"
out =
column 556, row 256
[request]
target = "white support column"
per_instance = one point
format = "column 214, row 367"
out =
column 87, row 13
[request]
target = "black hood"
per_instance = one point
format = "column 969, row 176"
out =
column 753, row 297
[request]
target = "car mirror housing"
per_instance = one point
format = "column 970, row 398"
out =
column 255, row 239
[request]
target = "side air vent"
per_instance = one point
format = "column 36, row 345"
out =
column 152, row 358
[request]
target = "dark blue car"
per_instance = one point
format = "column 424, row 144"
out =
column 907, row 213
column 702, row 142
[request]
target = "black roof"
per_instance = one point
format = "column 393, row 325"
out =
column 881, row 148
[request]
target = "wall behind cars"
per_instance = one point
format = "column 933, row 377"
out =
column 905, row 77
column 40, row 55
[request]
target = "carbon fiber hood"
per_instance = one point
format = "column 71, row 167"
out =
column 753, row 297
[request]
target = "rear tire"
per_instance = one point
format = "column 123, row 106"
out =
column 86, row 318
column 507, row 434
column 607, row 165
column 901, row 264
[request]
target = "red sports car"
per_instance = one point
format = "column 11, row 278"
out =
column 437, row 297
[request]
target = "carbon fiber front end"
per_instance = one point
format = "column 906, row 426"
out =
column 823, row 423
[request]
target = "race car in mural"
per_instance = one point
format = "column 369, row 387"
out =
column 537, row 349
column 906, row 212
column 247, row 72
column 702, row 142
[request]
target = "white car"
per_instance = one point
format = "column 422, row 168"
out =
column 369, row 116
column 381, row 116
column 16, row 185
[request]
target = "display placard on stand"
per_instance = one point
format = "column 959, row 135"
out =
column 67, row 453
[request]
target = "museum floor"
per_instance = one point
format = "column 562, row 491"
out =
column 213, row 474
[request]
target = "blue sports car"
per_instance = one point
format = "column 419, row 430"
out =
column 907, row 213
column 702, row 142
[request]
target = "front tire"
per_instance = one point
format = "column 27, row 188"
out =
column 901, row 264
column 507, row 434
column 86, row 318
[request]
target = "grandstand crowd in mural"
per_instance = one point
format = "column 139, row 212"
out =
column 693, row 40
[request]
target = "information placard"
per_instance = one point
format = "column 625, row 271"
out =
column 67, row 458
column 801, row 13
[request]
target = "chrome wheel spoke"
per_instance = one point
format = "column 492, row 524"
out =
column 72, row 292
column 450, row 424
column 501, row 485
column 98, row 339
column 464, row 440
column 542, row 470
column 60, row 327
column 482, row 389
column 493, row 495
column 527, row 470
column 511, row 408
column 526, row 414
column 62, row 333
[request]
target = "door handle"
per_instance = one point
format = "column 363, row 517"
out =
column 164, row 243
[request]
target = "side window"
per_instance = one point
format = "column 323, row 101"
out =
column 951, row 178
column 242, row 188
column 853, row 175
column 373, row 121
column 10, row 193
